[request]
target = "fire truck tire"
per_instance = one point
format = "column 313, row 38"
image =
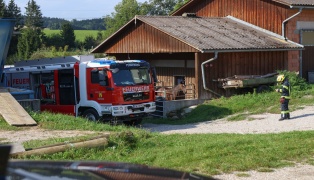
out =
column 137, row 121
column 134, row 122
column 91, row 115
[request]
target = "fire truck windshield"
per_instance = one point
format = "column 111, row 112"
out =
column 126, row 77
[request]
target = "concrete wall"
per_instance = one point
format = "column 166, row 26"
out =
column 169, row 106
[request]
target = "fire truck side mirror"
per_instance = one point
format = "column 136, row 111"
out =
column 154, row 74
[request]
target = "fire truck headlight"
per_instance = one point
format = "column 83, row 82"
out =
column 116, row 108
column 106, row 108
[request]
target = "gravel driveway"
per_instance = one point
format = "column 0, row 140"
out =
column 302, row 119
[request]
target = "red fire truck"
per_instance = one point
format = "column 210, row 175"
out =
column 98, row 89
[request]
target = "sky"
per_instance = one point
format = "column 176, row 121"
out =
column 73, row 9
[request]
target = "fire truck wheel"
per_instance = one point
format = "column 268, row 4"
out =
column 91, row 114
column 134, row 122
column 137, row 121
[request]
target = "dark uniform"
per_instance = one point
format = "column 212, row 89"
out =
column 284, row 99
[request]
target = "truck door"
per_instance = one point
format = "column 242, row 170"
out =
column 66, row 88
column 98, row 86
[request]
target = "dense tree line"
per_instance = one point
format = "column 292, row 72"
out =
column 31, row 39
column 89, row 24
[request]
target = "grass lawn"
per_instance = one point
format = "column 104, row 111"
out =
column 79, row 34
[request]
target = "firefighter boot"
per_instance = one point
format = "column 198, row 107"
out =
column 282, row 117
column 288, row 115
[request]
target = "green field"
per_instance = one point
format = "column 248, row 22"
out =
column 79, row 34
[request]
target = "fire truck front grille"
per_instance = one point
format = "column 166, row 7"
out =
column 136, row 96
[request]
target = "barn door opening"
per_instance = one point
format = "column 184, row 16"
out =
column 179, row 80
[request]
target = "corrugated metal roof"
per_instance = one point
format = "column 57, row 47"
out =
column 297, row 2
column 212, row 34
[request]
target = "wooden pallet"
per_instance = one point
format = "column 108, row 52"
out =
column 12, row 112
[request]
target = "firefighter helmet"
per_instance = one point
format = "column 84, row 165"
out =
column 280, row 78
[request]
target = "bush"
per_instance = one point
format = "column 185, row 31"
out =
column 297, row 83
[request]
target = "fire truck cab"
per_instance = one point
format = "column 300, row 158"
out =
column 98, row 89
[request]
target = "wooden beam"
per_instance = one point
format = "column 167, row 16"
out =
column 198, row 75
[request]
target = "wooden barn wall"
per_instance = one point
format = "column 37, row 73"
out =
column 307, row 63
column 154, row 56
column 142, row 38
column 263, row 13
column 246, row 63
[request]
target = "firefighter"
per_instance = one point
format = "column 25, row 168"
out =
column 285, row 96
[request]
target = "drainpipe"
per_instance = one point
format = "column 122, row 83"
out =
column 285, row 21
column 203, row 74
column 284, row 35
column 301, row 56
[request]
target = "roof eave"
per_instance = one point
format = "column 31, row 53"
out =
column 292, row 6
column 301, row 7
column 250, row 50
column 182, row 7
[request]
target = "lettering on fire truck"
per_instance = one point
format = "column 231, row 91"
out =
column 136, row 89
column 20, row 81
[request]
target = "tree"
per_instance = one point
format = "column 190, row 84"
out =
column 89, row 42
column 28, row 43
column 54, row 39
column 67, row 34
column 33, row 15
column 30, row 40
column 161, row 7
column 3, row 9
column 125, row 11
column 179, row 4
column 15, row 12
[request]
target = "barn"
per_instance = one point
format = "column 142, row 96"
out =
column 292, row 19
column 206, row 40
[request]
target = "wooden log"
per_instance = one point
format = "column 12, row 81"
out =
column 96, row 142
column 76, row 141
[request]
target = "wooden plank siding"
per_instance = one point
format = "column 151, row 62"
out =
column 245, row 63
column 155, row 41
column 265, row 14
